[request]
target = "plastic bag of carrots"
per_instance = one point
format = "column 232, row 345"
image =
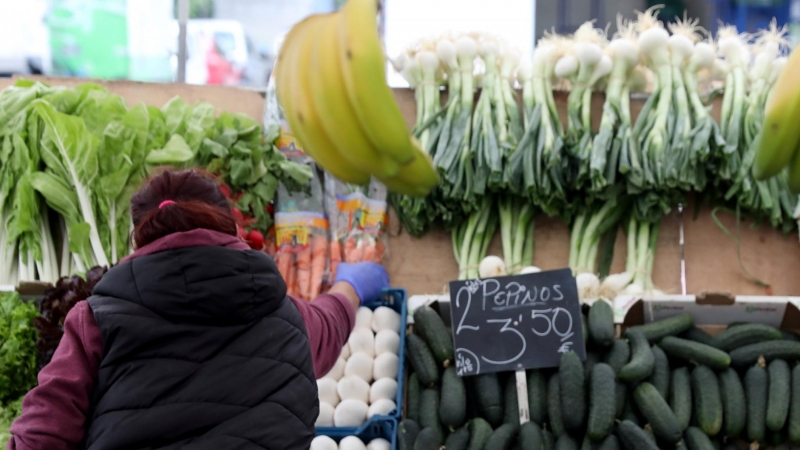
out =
column 302, row 252
column 357, row 217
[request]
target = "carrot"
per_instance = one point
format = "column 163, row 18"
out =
column 350, row 249
column 304, row 271
column 369, row 250
column 336, row 257
column 291, row 277
column 380, row 249
column 283, row 259
column 319, row 254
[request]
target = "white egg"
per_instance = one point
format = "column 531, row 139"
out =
column 337, row 371
column 379, row 444
column 325, row 418
column 363, row 318
column 323, row 443
column 345, row 351
column 381, row 408
column 350, row 413
column 360, row 365
column 384, row 388
column 385, row 318
column 327, row 391
column 353, row 388
column 352, row 443
column 362, row 340
column 385, row 366
column 387, row 341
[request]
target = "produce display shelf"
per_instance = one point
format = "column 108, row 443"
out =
column 383, row 425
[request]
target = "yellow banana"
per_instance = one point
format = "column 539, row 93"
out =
column 320, row 73
column 364, row 68
column 313, row 140
column 780, row 134
column 793, row 178
column 417, row 178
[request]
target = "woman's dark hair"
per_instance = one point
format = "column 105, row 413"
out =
column 174, row 201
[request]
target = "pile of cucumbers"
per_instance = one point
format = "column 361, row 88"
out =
column 662, row 385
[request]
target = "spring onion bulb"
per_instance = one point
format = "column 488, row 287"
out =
column 614, row 284
column 492, row 266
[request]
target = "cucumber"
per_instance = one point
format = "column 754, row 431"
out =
column 489, row 398
column 620, row 395
column 697, row 440
column 453, row 402
column 642, row 360
column 537, row 396
column 548, row 440
column 618, row 355
column 479, row 433
column 609, row 443
column 680, row 396
column 566, row 442
column 655, row 331
column 511, row 402
column 657, row 412
column 734, row 404
column 749, row 354
column 529, row 436
column 503, row 437
column 779, row 394
column 697, row 335
column 630, row 412
column 601, row 323
column 458, row 440
column 707, row 400
column 751, row 333
column 793, row 426
column 592, row 358
column 431, row 328
column 776, row 437
column 634, row 438
column 573, row 391
column 789, row 335
column 602, row 402
column 407, row 432
column 695, row 352
column 660, row 376
column 428, row 439
column 429, row 412
column 421, row 359
column 755, row 389
column 413, row 397
column 584, row 329
column 554, row 405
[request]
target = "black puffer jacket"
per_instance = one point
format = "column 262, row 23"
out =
column 202, row 350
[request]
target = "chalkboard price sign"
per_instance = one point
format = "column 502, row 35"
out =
column 516, row 322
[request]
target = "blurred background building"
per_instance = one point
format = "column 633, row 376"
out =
column 235, row 42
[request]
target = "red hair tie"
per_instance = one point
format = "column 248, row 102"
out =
column 165, row 203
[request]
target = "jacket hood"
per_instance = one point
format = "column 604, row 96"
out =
column 198, row 277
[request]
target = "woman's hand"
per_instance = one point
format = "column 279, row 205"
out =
column 360, row 282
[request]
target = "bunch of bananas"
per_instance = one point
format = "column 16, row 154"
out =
column 331, row 82
column 779, row 144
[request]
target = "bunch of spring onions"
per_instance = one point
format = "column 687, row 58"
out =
column 516, row 231
column 588, row 229
column 584, row 64
column 538, row 166
column 742, row 118
column 613, row 145
column 471, row 240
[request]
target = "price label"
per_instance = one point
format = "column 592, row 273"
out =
column 516, row 322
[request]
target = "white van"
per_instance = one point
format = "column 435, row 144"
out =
column 231, row 41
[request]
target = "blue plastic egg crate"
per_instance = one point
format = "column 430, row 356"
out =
column 381, row 426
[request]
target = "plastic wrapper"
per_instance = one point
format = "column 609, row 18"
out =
column 357, row 218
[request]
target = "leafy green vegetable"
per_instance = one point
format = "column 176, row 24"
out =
column 18, row 355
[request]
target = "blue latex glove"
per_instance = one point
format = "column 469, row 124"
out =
column 367, row 278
